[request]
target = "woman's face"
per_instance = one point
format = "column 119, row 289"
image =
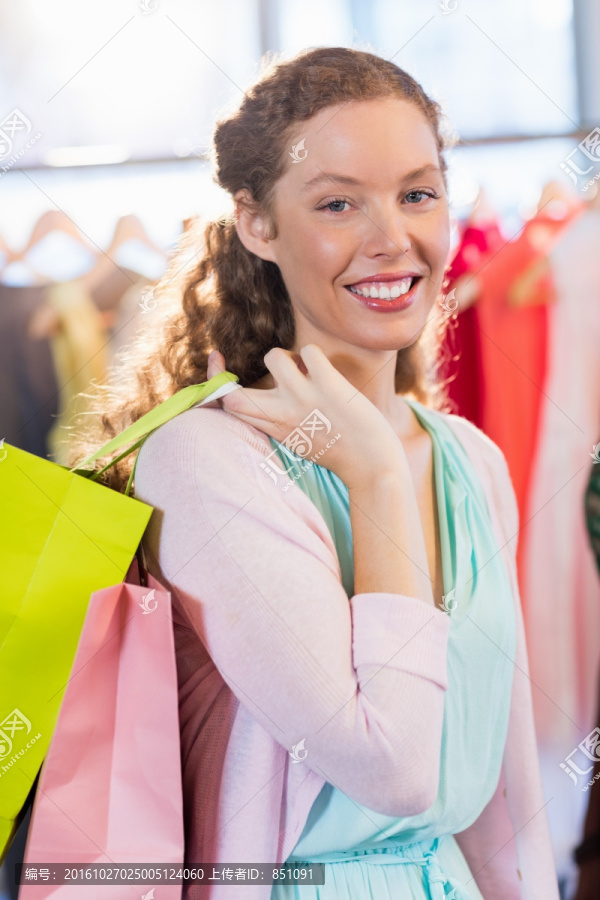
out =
column 388, row 221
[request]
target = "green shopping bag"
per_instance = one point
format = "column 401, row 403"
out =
column 63, row 536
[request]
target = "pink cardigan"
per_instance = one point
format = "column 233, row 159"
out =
column 270, row 651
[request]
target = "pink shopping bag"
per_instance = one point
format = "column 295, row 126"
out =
column 110, row 786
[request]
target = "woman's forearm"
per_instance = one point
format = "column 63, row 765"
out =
column 388, row 543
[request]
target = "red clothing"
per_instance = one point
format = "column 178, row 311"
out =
column 513, row 344
column 461, row 346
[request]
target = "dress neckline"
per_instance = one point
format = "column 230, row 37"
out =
column 437, row 460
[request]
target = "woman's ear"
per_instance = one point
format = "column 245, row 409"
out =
column 253, row 227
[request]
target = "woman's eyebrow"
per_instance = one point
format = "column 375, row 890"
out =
column 346, row 179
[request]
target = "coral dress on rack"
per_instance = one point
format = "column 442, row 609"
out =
column 561, row 590
column 514, row 352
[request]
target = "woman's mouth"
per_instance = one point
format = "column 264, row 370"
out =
column 385, row 296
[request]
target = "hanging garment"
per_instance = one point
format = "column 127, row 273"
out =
column 28, row 389
column 58, row 256
column 560, row 580
column 109, row 289
column 138, row 308
column 513, row 344
column 79, row 354
column 461, row 345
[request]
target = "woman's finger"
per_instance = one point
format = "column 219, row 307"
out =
column 269, row 409
column 259, row 405
column 321, row 370
column 285, row 367
column 216, row 364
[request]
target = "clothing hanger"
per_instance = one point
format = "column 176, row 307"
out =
column 592, row 200
column 8, row 252
column 45, row 321
column 557, row 200
column 128, row 227
column 50, row 222
column 4, row 247
column 55, row 220
column 557, row 203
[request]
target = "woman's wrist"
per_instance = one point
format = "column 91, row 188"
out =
column 388, row 544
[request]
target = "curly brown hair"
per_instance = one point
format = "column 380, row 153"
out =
column 231, row 299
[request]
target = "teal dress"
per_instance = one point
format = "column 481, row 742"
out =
column 370, row 856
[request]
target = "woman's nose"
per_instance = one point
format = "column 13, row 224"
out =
column 388, row 233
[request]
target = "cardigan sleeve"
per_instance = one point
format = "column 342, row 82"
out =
column 359, row 680
column 508, row 847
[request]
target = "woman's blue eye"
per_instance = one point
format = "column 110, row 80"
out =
column 331, row 203
column 422, row 193
column 341, row 201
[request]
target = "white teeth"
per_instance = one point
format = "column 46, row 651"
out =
column 384, row 292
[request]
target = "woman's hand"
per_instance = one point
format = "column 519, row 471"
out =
column 311, row 399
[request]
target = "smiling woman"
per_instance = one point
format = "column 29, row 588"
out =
column 351, row 659
column 238, row 299
column 386, row 157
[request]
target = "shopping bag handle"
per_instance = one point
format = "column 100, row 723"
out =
column 135, row 435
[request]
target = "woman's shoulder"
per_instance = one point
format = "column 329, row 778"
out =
column 208, row 425
column 206, row 457
column 206, row 436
